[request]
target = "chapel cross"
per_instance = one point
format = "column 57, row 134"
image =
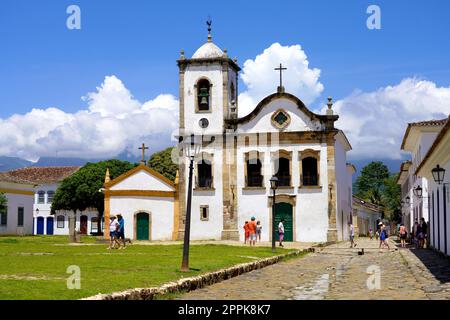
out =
column 143, row 148
column 281, row 69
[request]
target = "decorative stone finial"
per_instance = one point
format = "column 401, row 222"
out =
column 182, row 54
column 235, row 60
column 107, row 177
column 330, row 104
column 225, row 52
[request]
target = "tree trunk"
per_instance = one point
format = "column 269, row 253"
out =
column 72, row 227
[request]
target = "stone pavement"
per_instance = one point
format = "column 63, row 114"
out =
column 338, row 272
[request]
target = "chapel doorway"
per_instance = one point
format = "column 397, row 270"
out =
column 283, row 210
column 50, row 225
column 142, row 226
column 83, row 224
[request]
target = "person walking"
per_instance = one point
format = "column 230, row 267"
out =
column 252, row 231
column 113, row 226
column 281, row 232
column 121, row 232
column 425, row 232
column 258, row 230
column 351, row 234
column 414, row 238
column 383, row 237
column 419, row 236
column 371, row 234
column 246, row 232
column 403, row 235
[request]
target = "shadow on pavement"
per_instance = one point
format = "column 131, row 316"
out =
column 438, row 265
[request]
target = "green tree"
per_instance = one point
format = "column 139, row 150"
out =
column 162, row 163
column 82, row 190
column 3, row 204
column 371, row 183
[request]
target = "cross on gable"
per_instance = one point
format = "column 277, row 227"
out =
column 143, row 148
column 281, row 69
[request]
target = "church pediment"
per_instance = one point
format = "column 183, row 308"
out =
column 141, row 178
column 283, row 112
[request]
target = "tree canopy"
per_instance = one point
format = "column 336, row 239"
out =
column 378, row 186
column 162, row 163
column 3, row 203
column 81, row 190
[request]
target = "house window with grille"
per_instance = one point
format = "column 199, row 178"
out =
column 204, row 213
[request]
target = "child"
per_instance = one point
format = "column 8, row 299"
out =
column 258, row 230
column 371, row 234
column 246, row 232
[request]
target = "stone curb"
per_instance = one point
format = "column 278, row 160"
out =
column 192, row 283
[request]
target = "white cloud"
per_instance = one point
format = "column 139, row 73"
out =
column 114, row 122
column 375, row 122
column 261, row 79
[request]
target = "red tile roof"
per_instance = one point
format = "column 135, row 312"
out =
column 38, row 175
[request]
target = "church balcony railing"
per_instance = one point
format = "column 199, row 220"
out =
column 310, row 180
column 204, row 182
column 254, row 181
column 284, row 180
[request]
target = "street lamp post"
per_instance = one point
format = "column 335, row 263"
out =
column 273, row 186
column 191, row 149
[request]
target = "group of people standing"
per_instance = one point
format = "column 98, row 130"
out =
column 253, row 229
column 117, row 232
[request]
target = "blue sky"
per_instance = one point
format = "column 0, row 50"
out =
column 43, row 64
column 139, row 41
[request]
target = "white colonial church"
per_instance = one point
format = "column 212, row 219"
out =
column 281, row 137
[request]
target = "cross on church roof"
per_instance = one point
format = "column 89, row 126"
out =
column 281, row 69
column 209, row 23
column 143, row 148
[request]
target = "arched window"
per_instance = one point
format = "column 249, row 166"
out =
column 232, row 92
column 283, row 174
column 50, row 196
column 254, row 176
column 41, row 197
column 204, row 169
column 203, row 95
column 310, row 175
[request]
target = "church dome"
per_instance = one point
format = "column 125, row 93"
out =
column 208, row 50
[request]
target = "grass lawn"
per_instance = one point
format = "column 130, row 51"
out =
column 35, row 267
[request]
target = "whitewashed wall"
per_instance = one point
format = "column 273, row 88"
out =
column 263, row 123
column 215, row 117
column 161, row 211
column 14, row 202
column 311, row 210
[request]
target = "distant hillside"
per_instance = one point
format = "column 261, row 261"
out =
column 11, row 163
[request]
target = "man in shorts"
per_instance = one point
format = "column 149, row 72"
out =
column 252, row 231
column 351, row 235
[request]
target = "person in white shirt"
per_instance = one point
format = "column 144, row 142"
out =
column 281, row 232
column 113, row 226
column 352, row 235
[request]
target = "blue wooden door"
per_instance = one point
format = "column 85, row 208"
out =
column 40, row 225
column 50, row 225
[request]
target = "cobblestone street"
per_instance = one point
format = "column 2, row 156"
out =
column 338, row 272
